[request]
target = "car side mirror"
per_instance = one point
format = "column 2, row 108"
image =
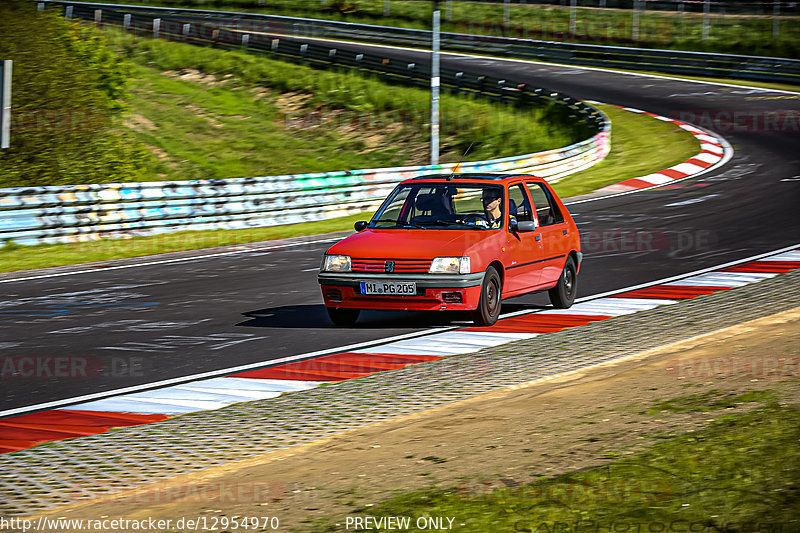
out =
column 361, row 225
column 526, row 226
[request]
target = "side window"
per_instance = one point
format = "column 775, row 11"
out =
column 546, row 209
column 518, row 204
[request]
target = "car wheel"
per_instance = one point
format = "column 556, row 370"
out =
column 343, row 317
column 489, row 305
column 562, row 296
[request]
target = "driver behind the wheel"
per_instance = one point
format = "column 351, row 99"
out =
column 492, row 199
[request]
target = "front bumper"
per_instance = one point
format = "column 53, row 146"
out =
column 434, row 291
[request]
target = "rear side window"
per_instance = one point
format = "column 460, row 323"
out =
column 546, row 209
column 518, row 204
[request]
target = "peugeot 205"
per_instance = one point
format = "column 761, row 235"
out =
column 455, row 243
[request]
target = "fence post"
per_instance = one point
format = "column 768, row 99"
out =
column 68, row 13
column 635, row 25
column 245, row 40
column 126, row 21
column 573, row 17
column 776, row 21
column 386, row 8
column 40, row 6
column 186, row 29
column 506, row 16
column 5, row 102
column 156, row 28
column 98, row 16
column 435, row 82
column 706, row 18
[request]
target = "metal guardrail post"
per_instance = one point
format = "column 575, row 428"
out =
column 435, row 85
column 5, row 102
column 573, row 17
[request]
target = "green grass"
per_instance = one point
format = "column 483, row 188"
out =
column 745, row 34
column 740, row 469
column 220, row 114
column 637, row 148
column 229, row 134
column 712, row 400
column 640, row 145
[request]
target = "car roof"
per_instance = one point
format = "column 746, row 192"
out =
column 471, row 177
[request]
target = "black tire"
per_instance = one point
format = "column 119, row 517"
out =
column 562, row 296
column 489, row 306
column 343, row 317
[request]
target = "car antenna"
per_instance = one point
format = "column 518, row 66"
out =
column 458, row 166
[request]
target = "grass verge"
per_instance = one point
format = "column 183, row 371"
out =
column 640, row 145
column 210, row 113
column 738, row 474
column 637, row 148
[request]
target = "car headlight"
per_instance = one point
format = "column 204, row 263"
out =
column 336, row 263
column 450, row 265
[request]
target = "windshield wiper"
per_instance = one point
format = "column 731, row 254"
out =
column 454, row 223
column 397, row 223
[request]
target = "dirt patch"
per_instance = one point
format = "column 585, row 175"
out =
column 138, row 122
column 212, row 118
column 499, row 439
column 292, row 102
column 160, row 154
column 194, row 75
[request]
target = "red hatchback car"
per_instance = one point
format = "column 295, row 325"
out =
column 458, row 243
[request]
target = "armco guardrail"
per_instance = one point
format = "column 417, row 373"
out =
column 668, row 61
column 59, row 214
column 89, row 212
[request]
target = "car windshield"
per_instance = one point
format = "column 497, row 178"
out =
column 442, row 206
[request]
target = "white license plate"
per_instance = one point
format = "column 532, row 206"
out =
column 389, row 288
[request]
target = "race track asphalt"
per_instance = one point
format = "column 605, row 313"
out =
column 131, row 326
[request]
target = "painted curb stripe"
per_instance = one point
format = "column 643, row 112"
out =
column 778, row 267
column 674, row 292
column 24, row 431
column 712, row 151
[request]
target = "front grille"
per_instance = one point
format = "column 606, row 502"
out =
column 401, row 266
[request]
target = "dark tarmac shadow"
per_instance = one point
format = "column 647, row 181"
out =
column 316, row 317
